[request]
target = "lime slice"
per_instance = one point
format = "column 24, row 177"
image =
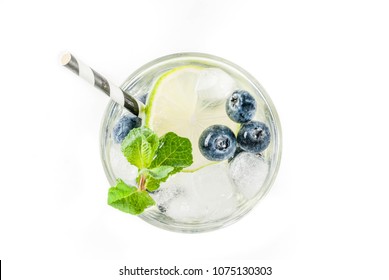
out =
column 174, row 105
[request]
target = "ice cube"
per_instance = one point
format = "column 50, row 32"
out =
column 248, row 171
column 204, row 195
column 121, row 167
column 215, row 191
column 214, row 86
column 184, row 209
column 173, row 188
column 212, row 184
column 175, row 197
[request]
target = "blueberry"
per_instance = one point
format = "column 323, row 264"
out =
column 217, row 143
column 241, row 106
column 254, row 137
column 123, row 127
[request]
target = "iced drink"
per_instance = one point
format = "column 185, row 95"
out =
column 227, row 119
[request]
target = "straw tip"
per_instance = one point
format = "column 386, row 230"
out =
column 65, row 58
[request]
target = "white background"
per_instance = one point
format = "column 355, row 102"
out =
column 325, row 65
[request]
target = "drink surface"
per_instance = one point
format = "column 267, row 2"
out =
column 187, row 98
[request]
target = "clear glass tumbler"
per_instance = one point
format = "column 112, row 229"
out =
column 216, row 195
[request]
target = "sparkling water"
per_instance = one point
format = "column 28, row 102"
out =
column 217, row 190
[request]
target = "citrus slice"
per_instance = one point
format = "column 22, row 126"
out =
column 174, row 105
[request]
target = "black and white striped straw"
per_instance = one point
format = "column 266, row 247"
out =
column 91, row 76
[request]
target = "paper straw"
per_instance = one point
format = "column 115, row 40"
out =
column 92, row 77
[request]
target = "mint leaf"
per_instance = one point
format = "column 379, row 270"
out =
column 160, row 172
column 174, row 151
column 139, row 147
column 128, row 198
column 153, row 184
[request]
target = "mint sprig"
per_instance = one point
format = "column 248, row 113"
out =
column 156, row 159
